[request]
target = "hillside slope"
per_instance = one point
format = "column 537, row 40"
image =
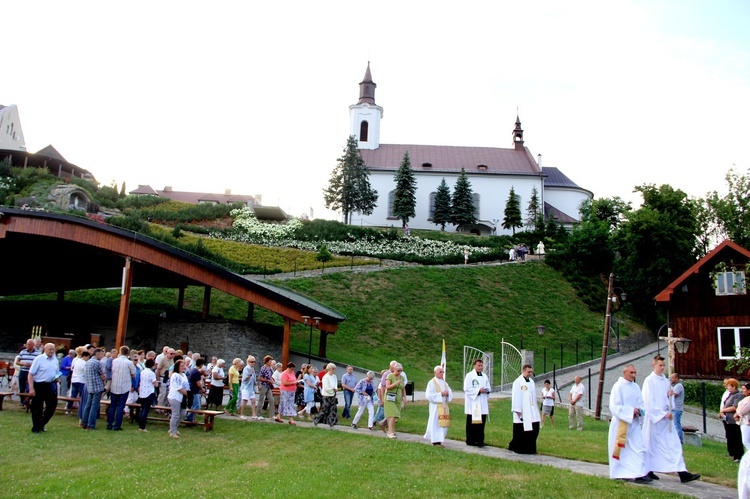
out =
column 405, row 313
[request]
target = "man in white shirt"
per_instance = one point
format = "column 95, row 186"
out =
column 659, row 433
column 42, row 377
column 476, row 395
column 575, row 411
column 525, row 413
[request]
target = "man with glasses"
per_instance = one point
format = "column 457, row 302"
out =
column 627, row 449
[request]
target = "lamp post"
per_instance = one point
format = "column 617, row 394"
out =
column 539, row 329
column 673, row 343
column 611, row 298
column 623, row 297
column 310, row 321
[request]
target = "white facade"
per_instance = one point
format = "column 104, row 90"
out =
column 366, row 117
column 11, row 134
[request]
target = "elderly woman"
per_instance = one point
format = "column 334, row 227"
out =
column 178, row 389
column 216, row 392
column 247, row 388
column 328, row 390
column 286, row 393
column 146, row 393
column 234, row 386
column 365, row 391
column 726, row 415
column 309, row 381
column 742, row 415
column 392, row 406
column 77, row 377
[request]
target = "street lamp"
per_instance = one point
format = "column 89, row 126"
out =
column 539, row 329
column 673, row 343
column 311, row 321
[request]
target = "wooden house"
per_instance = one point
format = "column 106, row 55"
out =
column 710, row 305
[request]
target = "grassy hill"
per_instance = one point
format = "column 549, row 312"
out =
column 405, row 313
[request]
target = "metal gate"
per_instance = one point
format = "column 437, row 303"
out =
column 471, row 354
column 510, row 365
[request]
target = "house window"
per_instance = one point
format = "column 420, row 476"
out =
column 731, row 339
column 363, row 128
column 391, row 200
column 475, row 201
column 431, row 212
column 730, row 283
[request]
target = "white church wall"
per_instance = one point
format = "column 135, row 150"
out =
column 566, row 200
column 11, row 134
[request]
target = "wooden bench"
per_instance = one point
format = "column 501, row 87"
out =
column 60, row 407
column 134, row 410
column 2, row 397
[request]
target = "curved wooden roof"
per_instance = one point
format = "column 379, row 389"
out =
column 54, row 252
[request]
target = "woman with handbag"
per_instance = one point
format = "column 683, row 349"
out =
column 394, row 387
column 439, row 394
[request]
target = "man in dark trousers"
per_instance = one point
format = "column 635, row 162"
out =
column 43, row 376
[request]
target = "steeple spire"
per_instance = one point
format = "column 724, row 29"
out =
column 518, row 134
column 367, row 88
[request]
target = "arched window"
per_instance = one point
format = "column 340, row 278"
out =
column 391, row 200
column 475, row 201
column 363, row 128
column 431, row 214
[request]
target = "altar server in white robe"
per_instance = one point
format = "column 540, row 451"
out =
column 627, row 450
column 526, row 416
column 743, row 477
column 476, row 394
column 659, row 433
column 439, row 394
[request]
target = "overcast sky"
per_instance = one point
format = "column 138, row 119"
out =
column 205, row 96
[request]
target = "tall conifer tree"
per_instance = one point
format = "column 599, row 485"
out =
column 462, row 205
column 349, row 188
column 442, row 213
column 512, row 212
column 405, row 197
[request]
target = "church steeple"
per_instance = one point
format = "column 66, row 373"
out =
column 518, row 135
column 367, row 88
column 365, row 115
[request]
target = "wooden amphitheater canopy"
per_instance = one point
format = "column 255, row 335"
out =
column 42, row 245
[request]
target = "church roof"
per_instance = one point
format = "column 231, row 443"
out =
column 51, row 152
column 450, row 159
column 556, row 178
column 559, row 216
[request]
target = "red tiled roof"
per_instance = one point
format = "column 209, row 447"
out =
column 450, row 159
column 666, row 293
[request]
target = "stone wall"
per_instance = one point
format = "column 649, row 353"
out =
column 225, row 340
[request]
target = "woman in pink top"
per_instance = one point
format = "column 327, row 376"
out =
column 286, row 390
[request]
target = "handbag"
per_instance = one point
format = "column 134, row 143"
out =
column 390, row 397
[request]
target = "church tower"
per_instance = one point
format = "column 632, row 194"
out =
column 365, row 115
column 518, row 135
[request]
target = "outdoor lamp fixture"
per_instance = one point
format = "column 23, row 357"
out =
column 674, row 343
column 310, row 321
column 540, row 330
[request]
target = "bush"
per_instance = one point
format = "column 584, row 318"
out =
column 137, row 202
column 693, row 394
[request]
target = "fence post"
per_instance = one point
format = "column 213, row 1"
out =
column 592, row 348
column 703, row 402
column 577, row 353
column 589, row 386
column 562, row 364
column 545, row 358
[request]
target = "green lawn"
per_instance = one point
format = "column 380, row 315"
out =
column 242, row 459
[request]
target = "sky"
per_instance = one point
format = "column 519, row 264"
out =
column 254, row 97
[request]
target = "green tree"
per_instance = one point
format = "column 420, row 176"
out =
column 462, row 203
column 732, row 212
column 533, row 211
column 512, row 212
column 405, row 197
column 123, row 192
column 442, row 212
column 657, row 242
column 349, row 188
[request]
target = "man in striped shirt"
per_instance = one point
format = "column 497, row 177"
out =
column 25, row 359
column 123, row 372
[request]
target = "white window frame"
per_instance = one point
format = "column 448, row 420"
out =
column 730, row 283
column 737, row 344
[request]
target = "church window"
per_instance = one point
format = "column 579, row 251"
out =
column 426, row 165
column 481, row 167
column 391, row 201
column 363, row 129
column 431, row 212
column 475, row 201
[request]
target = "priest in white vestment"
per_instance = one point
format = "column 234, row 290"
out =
column 626, row 448
column 476, row 395
column 439, row 394
column 526, row 416
column 659, row 433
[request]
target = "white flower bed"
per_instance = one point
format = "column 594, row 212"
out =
column 256, row 232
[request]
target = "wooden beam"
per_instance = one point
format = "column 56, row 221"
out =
column 180, row 301
column 122, row 318
column 322, row 344
column 250, row 312
column 206, row 302
column 285, row 343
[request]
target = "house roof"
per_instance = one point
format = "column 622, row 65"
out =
column 725, row 247
column 51, row 152
column 450, row 159
column 556, row 178
column 559, row 216
column 194, row 197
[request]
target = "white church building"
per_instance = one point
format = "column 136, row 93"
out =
column 492, row 171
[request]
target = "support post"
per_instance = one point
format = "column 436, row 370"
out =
column 122, row 317
column 206, row 302
column 605, row 346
